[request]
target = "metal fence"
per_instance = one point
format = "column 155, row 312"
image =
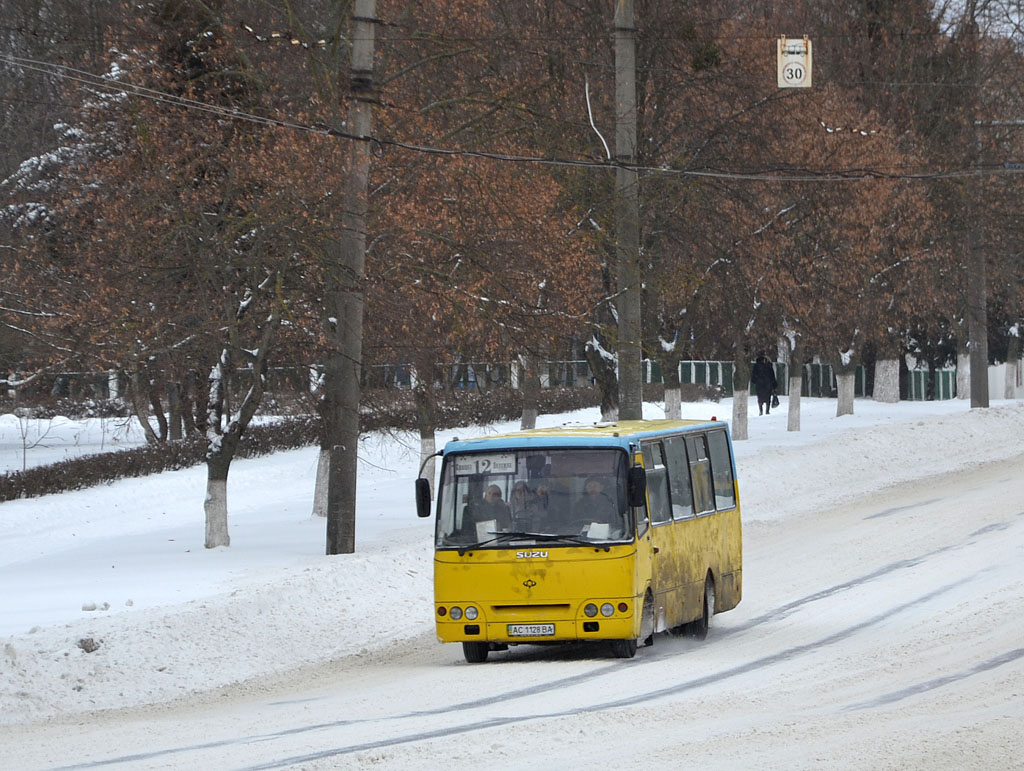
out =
column 818, row 380
column 923, row 385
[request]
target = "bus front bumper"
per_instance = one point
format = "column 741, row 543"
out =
column 620, row 627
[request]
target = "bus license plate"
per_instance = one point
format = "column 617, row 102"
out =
column 530, row 630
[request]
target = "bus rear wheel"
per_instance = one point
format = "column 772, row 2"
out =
column 699, row 628
column 475, row 653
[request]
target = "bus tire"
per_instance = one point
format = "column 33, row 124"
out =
column 699, row 628
column 475, row 652
column 626, row 649
column 647, row 620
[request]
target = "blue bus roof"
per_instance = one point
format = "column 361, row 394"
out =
column 605, row 434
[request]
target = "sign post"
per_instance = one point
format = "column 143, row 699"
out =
column 794, row 62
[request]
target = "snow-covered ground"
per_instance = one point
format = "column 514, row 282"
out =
column 109, row 599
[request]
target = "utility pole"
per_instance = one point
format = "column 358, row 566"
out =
column 627, row 217
column 977, row 317
column 977, row 300
column 345, row 295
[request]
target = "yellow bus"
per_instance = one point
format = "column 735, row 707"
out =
column 610, row 532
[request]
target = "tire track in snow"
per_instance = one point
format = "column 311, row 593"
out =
column 558, row 684
column 938, row 682
column 776, row 614
column 629, row 701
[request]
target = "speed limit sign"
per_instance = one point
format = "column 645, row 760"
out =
column 794, row 62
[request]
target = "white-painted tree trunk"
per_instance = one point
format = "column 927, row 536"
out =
column 1011, row 380
column 793, row 399
column 323, row 467
column 427, row 449
column 740, row 404
column 845, row 384
column 887, row 381
column 963, row 375
column 216, row 508
column 673, row 406
column 529, row 419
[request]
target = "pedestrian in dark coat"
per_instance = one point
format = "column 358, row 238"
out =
column 762, row 377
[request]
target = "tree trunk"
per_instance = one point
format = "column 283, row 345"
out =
column 793, row 399
column 426, row 422
column 887, row 381
column 216, row 503
column 963, row 371
column 224, row 431
column 158, row 411
column 1012, row 366
column 673, row 401
column 670, row 376
column 530, row 389
column 135, row 393
column 846, row 381
column 323, row 466
column 607, row 382
column 174, row 408
column 796, row 381
column 740, row 390
column 188, row 405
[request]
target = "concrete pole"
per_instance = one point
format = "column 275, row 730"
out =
column 627, row 217
column 345, row 297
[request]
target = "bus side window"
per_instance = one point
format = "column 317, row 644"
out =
column 700, row 474
column 721, row 470
column 657, row 484
column 679, row 477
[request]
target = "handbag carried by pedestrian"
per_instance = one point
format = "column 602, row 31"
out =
column 775, row 399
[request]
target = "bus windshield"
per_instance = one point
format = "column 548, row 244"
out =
column 517, row 496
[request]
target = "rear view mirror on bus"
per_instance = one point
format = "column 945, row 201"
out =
column 422, row 497
column 636, row 484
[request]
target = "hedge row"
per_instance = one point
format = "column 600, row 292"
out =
column 394, row 411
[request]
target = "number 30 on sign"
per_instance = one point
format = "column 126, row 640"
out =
column 794, row 62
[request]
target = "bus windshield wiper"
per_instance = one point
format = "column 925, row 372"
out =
column 562, row 537
column 503, row 536
column 516, row 535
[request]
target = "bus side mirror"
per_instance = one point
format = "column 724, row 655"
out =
column 636, row 486
column 422, row 497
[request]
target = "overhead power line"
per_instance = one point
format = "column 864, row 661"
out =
column 779, row 174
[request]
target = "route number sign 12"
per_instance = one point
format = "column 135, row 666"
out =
column 794, row 61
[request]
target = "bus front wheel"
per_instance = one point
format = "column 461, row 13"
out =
column 626, row 649
column 475, row 653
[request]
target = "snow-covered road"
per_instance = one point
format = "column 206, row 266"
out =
column 884, row 633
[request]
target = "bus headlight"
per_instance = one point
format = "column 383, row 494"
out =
column 455, row 613
column 590, row 610
column 607, row 609
column 471, row 613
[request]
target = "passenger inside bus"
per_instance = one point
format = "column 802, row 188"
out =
column 554, row 509
column 483, row 515
column 595, row 504
column 523, row 505
column 493, row 507
column 596, row 507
